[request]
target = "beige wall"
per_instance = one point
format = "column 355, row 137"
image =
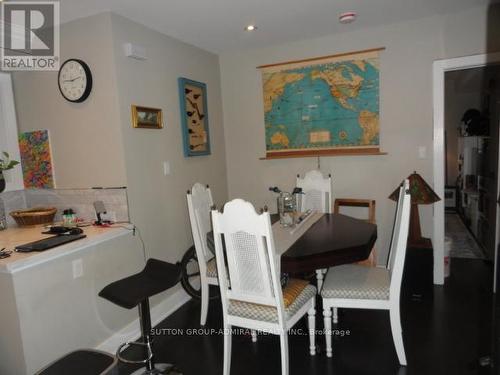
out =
column 406, row 111
column 85, row 137
column 94, row 143
column 157, row 202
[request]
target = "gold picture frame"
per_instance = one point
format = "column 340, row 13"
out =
column 146, row 117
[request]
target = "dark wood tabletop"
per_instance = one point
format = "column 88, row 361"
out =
column 333, row 240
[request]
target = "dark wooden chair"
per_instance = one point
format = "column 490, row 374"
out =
column 370, row 205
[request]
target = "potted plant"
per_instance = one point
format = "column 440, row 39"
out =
column 5, row 165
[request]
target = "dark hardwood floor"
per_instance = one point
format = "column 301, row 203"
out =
column 446, row 331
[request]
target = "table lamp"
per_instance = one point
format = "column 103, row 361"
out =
column 421, row 193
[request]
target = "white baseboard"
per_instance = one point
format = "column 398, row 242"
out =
column 132, row 332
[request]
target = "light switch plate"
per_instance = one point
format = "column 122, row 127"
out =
column 166, row 168
column 422, row 152
column 77, row 268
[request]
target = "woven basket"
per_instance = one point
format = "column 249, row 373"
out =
column 34, row 216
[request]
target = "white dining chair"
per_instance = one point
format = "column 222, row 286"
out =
column 317, row 196
column 251, row 292
column 200, row 202
column 358, row 287
column 317, row 191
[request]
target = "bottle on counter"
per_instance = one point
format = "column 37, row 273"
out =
column 69, row 218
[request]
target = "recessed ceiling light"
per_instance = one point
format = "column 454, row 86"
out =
column 347, row 17
column 251, row 28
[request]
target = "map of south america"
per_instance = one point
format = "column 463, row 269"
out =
column 322, row 105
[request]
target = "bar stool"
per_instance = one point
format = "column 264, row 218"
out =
column 157, row 276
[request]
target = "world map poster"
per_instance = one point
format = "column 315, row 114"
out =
column 322, row 106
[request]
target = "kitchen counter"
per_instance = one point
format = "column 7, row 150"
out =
column 12, row 237
column 49, row 300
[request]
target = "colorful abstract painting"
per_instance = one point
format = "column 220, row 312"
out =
column 36, row 159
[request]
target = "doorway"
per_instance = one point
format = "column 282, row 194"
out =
column 440, row 69
column 471, row 163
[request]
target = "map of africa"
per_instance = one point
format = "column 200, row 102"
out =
column 321, row 105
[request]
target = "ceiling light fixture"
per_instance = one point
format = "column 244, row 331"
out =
column 347, row 17
column 251, row 28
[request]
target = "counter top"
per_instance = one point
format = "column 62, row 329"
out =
column 12, row 237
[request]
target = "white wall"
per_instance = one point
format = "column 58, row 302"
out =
column 85, row 137
column 158, row 202
column 406, row 112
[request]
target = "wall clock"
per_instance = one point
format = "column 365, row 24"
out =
column 75, row 80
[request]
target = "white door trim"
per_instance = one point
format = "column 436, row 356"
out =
column 14, row 177
column 440, row 67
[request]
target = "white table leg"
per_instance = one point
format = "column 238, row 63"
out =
column 327, row 314
column 319, row 277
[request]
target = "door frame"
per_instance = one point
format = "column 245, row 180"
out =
column 440, row 67
column 13, row 178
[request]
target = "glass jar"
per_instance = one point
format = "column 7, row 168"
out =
column 287, row 207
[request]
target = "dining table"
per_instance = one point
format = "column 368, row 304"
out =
column 324, row 240
column 332, row 240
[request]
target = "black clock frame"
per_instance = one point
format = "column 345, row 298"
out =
column 88, row 74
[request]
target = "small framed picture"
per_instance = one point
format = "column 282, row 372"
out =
column 194, row 117
column 450, row 197
column 145, row 117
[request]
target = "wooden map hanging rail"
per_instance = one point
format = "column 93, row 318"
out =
column 322, row 57
column 317, row 153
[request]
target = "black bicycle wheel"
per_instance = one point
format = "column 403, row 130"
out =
column 190, row 280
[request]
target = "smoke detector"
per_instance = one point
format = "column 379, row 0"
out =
column 347, row 17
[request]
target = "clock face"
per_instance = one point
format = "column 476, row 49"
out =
column 75, row 80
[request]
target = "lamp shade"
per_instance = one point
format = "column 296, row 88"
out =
column 421, row 192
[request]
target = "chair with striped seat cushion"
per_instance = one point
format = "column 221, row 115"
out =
column 357, row 287
column 357, row 282
column 251, row 292
column 212, row 268
column 200, row 201
column 268, row 313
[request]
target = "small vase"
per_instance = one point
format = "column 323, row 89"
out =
column 2, row 182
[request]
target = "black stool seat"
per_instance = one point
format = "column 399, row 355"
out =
column 81, row 362
column 157, row 276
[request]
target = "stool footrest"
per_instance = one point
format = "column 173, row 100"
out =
column 126, row 345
